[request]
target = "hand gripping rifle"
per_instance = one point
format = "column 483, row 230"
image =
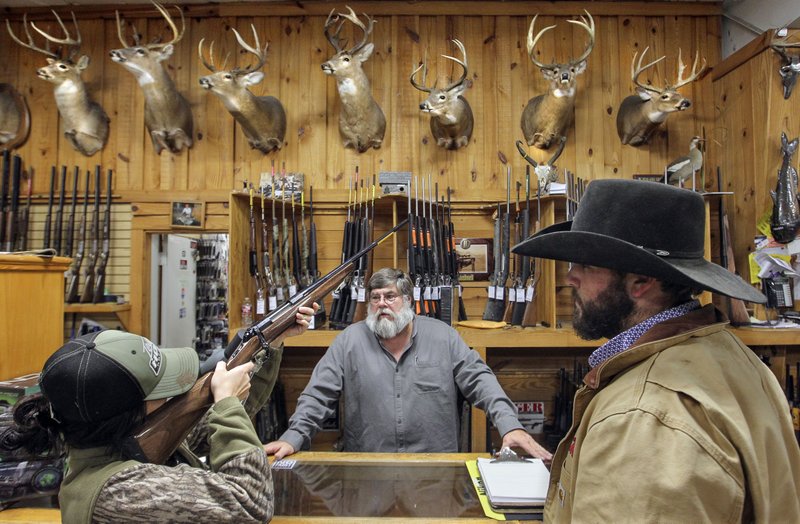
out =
column 162, row 432
column 100, row 266
column 74, row 271
column 94, row 253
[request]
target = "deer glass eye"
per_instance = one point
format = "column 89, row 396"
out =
column 63, row 67
column 346, row 58
column 665, row 97
column 442, row 97
column 228, row 76
column 140, row 52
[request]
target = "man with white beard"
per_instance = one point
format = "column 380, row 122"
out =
column 401, row 375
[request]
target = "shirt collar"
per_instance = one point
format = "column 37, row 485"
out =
column 627, row 338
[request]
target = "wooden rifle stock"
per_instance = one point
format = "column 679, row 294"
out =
column 60, row 212
column 162, row 432
column 49, row 217
column 94, row 253
column 529, row 318
column 68, row 242
column 73, row 274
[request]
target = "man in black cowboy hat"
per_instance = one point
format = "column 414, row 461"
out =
column 678, row 421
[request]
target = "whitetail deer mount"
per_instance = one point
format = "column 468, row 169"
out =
column 790, row 64
column 83, row 121
column 641, row 114
column 167, row 114
column 15, row 118
column 361, row 120
column 546, row 172
column 262, row 118
column 547, row 116
column 451, row 115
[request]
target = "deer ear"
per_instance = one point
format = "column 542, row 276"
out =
column 251, row 79
column 581, row 67
column 458, row 90
column 365, row 52
column 644, row 94
column 166, row 52
column 83, row 62
column 548, row 74
column 50, row 61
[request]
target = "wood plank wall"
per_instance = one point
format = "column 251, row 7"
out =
column 502, row 76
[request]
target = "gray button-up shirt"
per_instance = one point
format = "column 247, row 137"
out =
column 406, row 406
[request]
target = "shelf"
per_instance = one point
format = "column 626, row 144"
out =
column 123, row 311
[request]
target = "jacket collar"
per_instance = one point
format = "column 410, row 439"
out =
column 700, row 322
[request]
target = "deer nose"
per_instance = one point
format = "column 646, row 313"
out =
column 685, row 104
column 423, row 107
column 564, row 77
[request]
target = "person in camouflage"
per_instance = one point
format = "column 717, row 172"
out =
column 97, row 388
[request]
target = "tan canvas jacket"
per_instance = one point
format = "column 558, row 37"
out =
column 687, row 425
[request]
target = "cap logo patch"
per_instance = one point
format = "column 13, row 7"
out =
column 155, row 355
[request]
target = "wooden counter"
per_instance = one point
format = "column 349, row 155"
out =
column 31, row 312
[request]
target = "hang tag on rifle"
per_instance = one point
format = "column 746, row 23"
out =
column 362, row 294
column 353, row 293
column 499, row 292
column 512, row 294
column 427, row 294
column 311, row 324
column 260, row 306
column 416, row 293
column 436, row 293
column 292, row 290
column 529, row 294
column 492, row 292
column 335, row 294
column 279, row 292
column 460, row 290
column 520, row 294
column 273, row 303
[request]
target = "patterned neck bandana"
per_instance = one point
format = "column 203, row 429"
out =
column 627, row 338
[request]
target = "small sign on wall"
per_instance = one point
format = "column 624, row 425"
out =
column 187, row 214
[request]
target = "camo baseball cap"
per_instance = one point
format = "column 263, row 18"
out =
column 99, row 375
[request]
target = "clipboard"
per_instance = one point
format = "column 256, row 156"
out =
column 512, row 482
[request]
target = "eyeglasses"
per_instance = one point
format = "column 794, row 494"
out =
column 389, row 298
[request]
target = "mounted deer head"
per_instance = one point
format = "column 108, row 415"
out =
column 167, row 114
column 547, row 116
column 790, row 64
column 361, row 121
column 639, row 115
column 83, row 122
column 545, row 173
column 262, row 118
column 451, row 115
column 15, row 118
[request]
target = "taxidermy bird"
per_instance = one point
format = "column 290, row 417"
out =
column 686, row 166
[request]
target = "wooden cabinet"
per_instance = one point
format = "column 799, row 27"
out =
column 31, row 312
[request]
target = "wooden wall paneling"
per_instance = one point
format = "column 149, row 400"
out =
column 291, row 71
column 633, row 37
column 428, row 49
column 493, row 173
column 310, row 134
column 588, row 138
column 213, row 152
column 405, row 46
column 662, row 151
column 175, row 167
column 706, row 38
column 615, row 85
column 519, row 91
column 565, row 35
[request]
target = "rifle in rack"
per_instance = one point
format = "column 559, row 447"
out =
column 421, row 283
column 305, row 273
column 268, row 284
column 358, row 242
column 163, row 430
column 296, row 258
column 515, row 266
column 277, row 267
column 462, row 311
column 25, row 216
column 523, row 262
column 88, row 271
column 68, row 242
column 367, row 228
column 74, row 271
column 529, row 318
column 60, row 212
column 319, row 317
column 6, row 174
column 339, row 294
column 105, row 250
column 291, row 284
column 49, row 216
column 253, row 259
column 495, row 307
column 11, row 215
column 435, row 250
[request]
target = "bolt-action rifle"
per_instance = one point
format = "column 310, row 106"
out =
column 367, row 228
column 339, row 294
column 49, row 216
column 60, row 212
column 529, row 318
column 70, row 232
column 261, row 306
column 523, row 262
column 288, row 276
column 94, row 253
column 496, row 306
column 100, row 267
column 163, row 431
column 319, row 317
column 268, row 284
column 297, row 259
column 74, row 271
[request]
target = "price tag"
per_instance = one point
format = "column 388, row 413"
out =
column 362, row 294
column 427, row 293
column 416, row 293
column 292, row 290
column 273, row 303
column 311, row 321
column 279, row 292
column 260, row 306
column 520, row 294
column 436, row 293
column 492, row 292
column 460, row 290
column 335, row 295
column 529, row 294
column 353, row 292
column 512, row 295
column 500, row 292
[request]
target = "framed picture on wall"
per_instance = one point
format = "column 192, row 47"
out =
column 475, row 261
column 187, row 214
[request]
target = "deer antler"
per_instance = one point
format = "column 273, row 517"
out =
column 557, row 154
column 781, row 43
column 176, row 35
column 638, row 69
column 353, row 17
column 681, row 67
column 30, row 45
column 424, row 67
column 73, row 44
column 463, row 64
column 256, row 50
column 589, row 26
column 333, row 38
column 532, row 43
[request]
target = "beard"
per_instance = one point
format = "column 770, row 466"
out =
column 604, row 317
column 389, row 327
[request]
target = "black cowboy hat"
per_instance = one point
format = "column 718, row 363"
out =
column 640, row 227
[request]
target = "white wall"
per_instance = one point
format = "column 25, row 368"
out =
column 744, row 20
